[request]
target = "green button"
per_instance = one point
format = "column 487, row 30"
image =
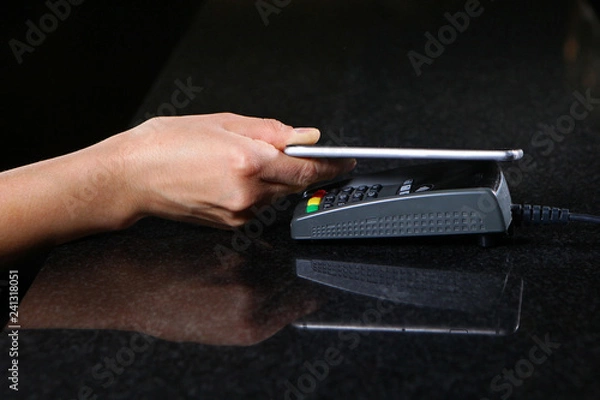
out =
column 312, row 208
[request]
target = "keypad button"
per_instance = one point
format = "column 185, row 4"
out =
column 376, row 188
column 424, row 188
column 310, row 209
column 329, row 198
column 357, row 196
column 327, row 205
column 362, row 188
column 372, row 193
column 347, row 189
column 341, row 203
column 314, row 201
column 312, row 204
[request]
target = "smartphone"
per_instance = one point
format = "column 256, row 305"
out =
column 403, row 153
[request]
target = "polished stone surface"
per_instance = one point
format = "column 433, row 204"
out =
column 170, row 310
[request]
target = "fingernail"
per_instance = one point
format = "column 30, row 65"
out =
column 305, row 136
column 306, row 130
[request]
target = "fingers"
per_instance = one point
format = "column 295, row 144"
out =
column 269, row 130
column 299, row 173
column 305, row 136
column 296, row 173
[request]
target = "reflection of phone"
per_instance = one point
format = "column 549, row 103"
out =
column 382, row 152
column 372, row 297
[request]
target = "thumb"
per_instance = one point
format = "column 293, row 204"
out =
column 304, row 136
column 270, row 130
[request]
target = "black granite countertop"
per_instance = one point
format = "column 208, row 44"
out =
column 175, row 311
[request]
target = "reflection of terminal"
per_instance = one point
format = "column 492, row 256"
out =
column 402, row 299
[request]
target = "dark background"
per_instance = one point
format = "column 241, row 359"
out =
column 341, row 66
column 89, row 76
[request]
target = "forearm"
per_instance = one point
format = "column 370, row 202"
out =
column 61, row 199
column 211, row 170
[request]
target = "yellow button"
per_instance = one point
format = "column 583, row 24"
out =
column 314, row 201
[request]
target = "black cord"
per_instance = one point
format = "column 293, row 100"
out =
column 594, row 219
column 527, row 214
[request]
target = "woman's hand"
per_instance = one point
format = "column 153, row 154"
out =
column 212, row 169
column 208, row 169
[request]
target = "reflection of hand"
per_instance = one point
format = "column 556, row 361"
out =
column 214, row 168
column 187, row 296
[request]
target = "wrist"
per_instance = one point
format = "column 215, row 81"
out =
column 105, row 192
